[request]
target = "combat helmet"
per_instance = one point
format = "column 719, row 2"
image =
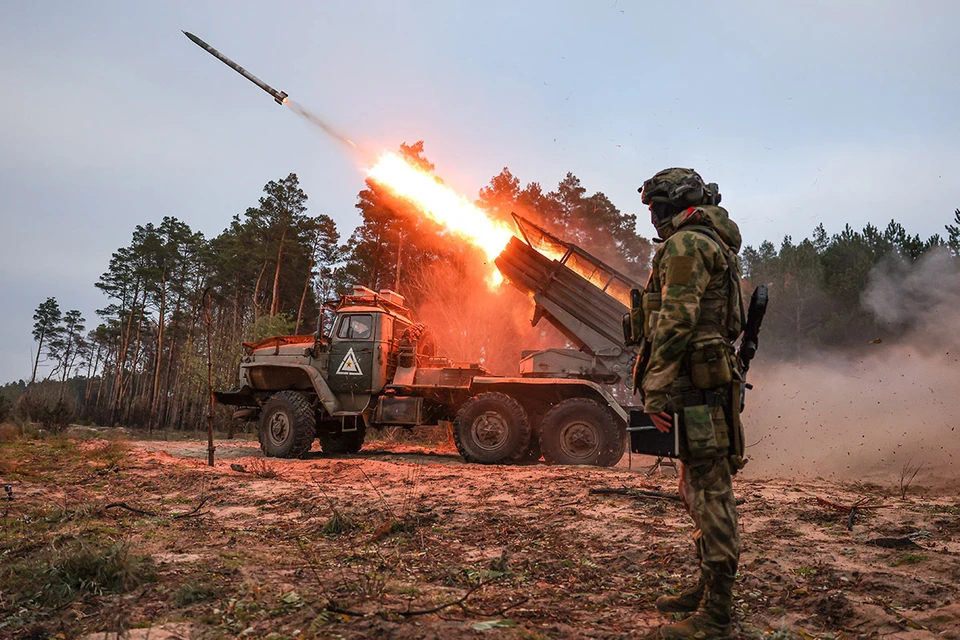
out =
column 680, row 188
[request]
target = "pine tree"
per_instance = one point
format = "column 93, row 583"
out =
column 46, row 326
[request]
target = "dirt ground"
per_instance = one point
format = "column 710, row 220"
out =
column 408, row 541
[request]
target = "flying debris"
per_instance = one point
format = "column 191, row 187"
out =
column 279, row 96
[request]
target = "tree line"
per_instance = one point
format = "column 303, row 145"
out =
column 267, row 273
column 820, row 287
column 176, row 301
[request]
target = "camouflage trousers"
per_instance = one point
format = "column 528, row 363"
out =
column 706, row 488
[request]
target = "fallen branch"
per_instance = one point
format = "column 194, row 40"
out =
column 460, row 602
column 493, row 614
column 636, row 493
column 176, row 516
column 332, row 608
column 860, row 504
column 453, row 603
column 190, row 514
column 124, row 505
column 851, row 511
column 641, row 493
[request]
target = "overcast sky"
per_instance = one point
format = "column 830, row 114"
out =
column 803, row 112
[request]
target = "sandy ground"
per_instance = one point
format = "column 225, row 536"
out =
column 407, row 541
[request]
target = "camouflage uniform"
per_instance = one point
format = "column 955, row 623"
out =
column 692, row 312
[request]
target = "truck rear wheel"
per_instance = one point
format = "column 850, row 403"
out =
column 343, row 441
column 581, row 431
column 492, row 428
column 287, row 426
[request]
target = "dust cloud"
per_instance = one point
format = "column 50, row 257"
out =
column 877, row 414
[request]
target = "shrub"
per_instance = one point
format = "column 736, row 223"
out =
column 9, row 432
column 57, row 576
column 42, row 403
column 193, row 592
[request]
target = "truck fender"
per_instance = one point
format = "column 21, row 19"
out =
column 327, row 398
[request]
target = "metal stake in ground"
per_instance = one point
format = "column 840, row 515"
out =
column 208, row 320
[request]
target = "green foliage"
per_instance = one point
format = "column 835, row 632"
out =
column 590, row 221
column 392, row 235
column 817, row 287
column 10, row 394
column 194, row 592
column 45, row 403
column 59, row 575
column 953, row 234
column 337, row 524
column 910, row 558
column 46, row 326
column 269, row 326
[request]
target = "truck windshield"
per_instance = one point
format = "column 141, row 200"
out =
column 356, row 327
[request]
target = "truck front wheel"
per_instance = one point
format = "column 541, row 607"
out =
column 287, row 426
column 581, row 431
column 492, row 428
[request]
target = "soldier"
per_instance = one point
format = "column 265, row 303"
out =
column 690, row 378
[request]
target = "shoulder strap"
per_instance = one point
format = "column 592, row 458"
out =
column 707, row 231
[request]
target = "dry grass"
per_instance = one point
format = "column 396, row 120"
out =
column 427, row 435
column 9, row 432
column 402, row 532
column 263, row 468
column 59, row 575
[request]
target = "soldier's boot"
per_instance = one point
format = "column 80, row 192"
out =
column 688, row 600
column 710, row 622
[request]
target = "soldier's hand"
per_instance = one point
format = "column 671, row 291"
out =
column 663, row 421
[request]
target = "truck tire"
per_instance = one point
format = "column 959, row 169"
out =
column 343, row 441
column 287, row 426
column 581, row 431
column 492, row 428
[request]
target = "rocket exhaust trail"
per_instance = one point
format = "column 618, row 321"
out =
column 324, row 126
column 279, row 96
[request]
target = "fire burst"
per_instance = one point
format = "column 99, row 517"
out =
column 443, row 205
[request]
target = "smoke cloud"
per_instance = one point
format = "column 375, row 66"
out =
column 474, row 322
column 913, row 295
column 869, row 415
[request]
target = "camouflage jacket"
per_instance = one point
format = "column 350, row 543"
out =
column 690, row 274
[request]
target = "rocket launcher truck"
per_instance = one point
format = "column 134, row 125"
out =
column 377, row 367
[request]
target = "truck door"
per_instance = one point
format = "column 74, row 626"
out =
column 352, row 353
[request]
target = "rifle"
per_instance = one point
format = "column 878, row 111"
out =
column 751, row 332
column 751, row 335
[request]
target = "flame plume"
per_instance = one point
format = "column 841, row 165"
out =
column 443, row 205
